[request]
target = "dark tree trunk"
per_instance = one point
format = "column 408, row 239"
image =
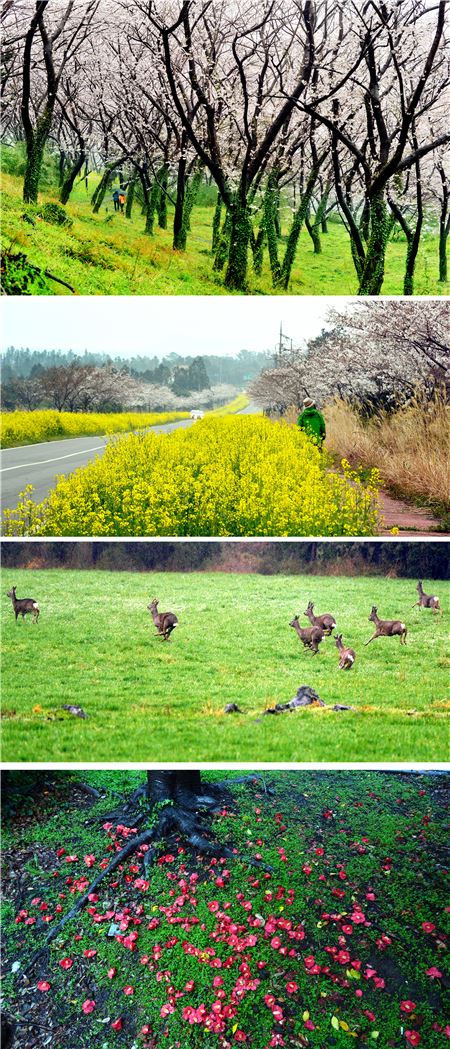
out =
column 179, row 204
column 61, row 167
column 163, row 178
column 69, row 182
column 257, row 244
column 99, row 194
column 130, row 197
column 313, row 230
column 180, row 787
column 296, row 228
column 217, row 218
column 443, row 238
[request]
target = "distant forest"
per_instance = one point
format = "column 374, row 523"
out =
column 427, row 560
column 237, row 371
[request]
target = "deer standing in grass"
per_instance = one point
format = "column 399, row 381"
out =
column 326, row 622
column 386, row 627
column 310, row 636
column 427, row 601
column 24, row 606
column 164, row 622
column 346, row 655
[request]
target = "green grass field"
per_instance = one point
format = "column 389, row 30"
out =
column 106, row 254
column 148, row 700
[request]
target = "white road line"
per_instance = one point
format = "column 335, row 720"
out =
column 43, row 462
column 58, row 440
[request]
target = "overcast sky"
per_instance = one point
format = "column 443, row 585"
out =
column 129, row 326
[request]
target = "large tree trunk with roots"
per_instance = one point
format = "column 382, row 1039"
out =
column 180, row 787
column 173, row 800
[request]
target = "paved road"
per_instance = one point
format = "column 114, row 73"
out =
column 40, row 464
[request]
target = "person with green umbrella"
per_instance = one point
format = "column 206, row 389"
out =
column 312, row 422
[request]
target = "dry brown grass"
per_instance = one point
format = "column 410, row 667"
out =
column 410, row 447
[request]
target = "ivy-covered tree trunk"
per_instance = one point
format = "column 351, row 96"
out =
column 372, row 276
column 69, row 181
column 236, row 273
column 35, row 143
column 296, row 228
column 223, row 244
column 192, row 192
column 270, row 208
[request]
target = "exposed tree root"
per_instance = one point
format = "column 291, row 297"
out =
column 87, row 789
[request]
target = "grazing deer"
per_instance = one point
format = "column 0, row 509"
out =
column 426, row 600
column 24, row 605
column 310, row 637
column 386, row 627
column 164, row 622
column 346, row 655
column 326, row 622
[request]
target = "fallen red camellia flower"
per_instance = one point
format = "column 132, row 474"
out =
column 88, row 1006
column 43, row 985
column 117, row 1025
column 66, row 963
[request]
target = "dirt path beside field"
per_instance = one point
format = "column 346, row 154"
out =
column 410, row 520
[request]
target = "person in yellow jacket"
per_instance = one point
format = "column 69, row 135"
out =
column 312, row 422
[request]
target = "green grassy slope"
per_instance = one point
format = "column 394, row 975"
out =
column 106, row 254
column 153, row 701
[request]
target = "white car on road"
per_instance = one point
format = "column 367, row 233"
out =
column 196, row 414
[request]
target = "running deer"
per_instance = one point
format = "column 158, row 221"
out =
column 346, row 655
column 386, row 627
column 164, row 622
column 326, row 622
column 24, row 605
column 310, row 637
column 427, row 601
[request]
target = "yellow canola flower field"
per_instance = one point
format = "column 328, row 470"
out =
column 31, row 427
column 233, row 476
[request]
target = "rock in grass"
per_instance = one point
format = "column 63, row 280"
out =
column 232, row 708
column 304, row 696
column 341, row 706
column 77, row 712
